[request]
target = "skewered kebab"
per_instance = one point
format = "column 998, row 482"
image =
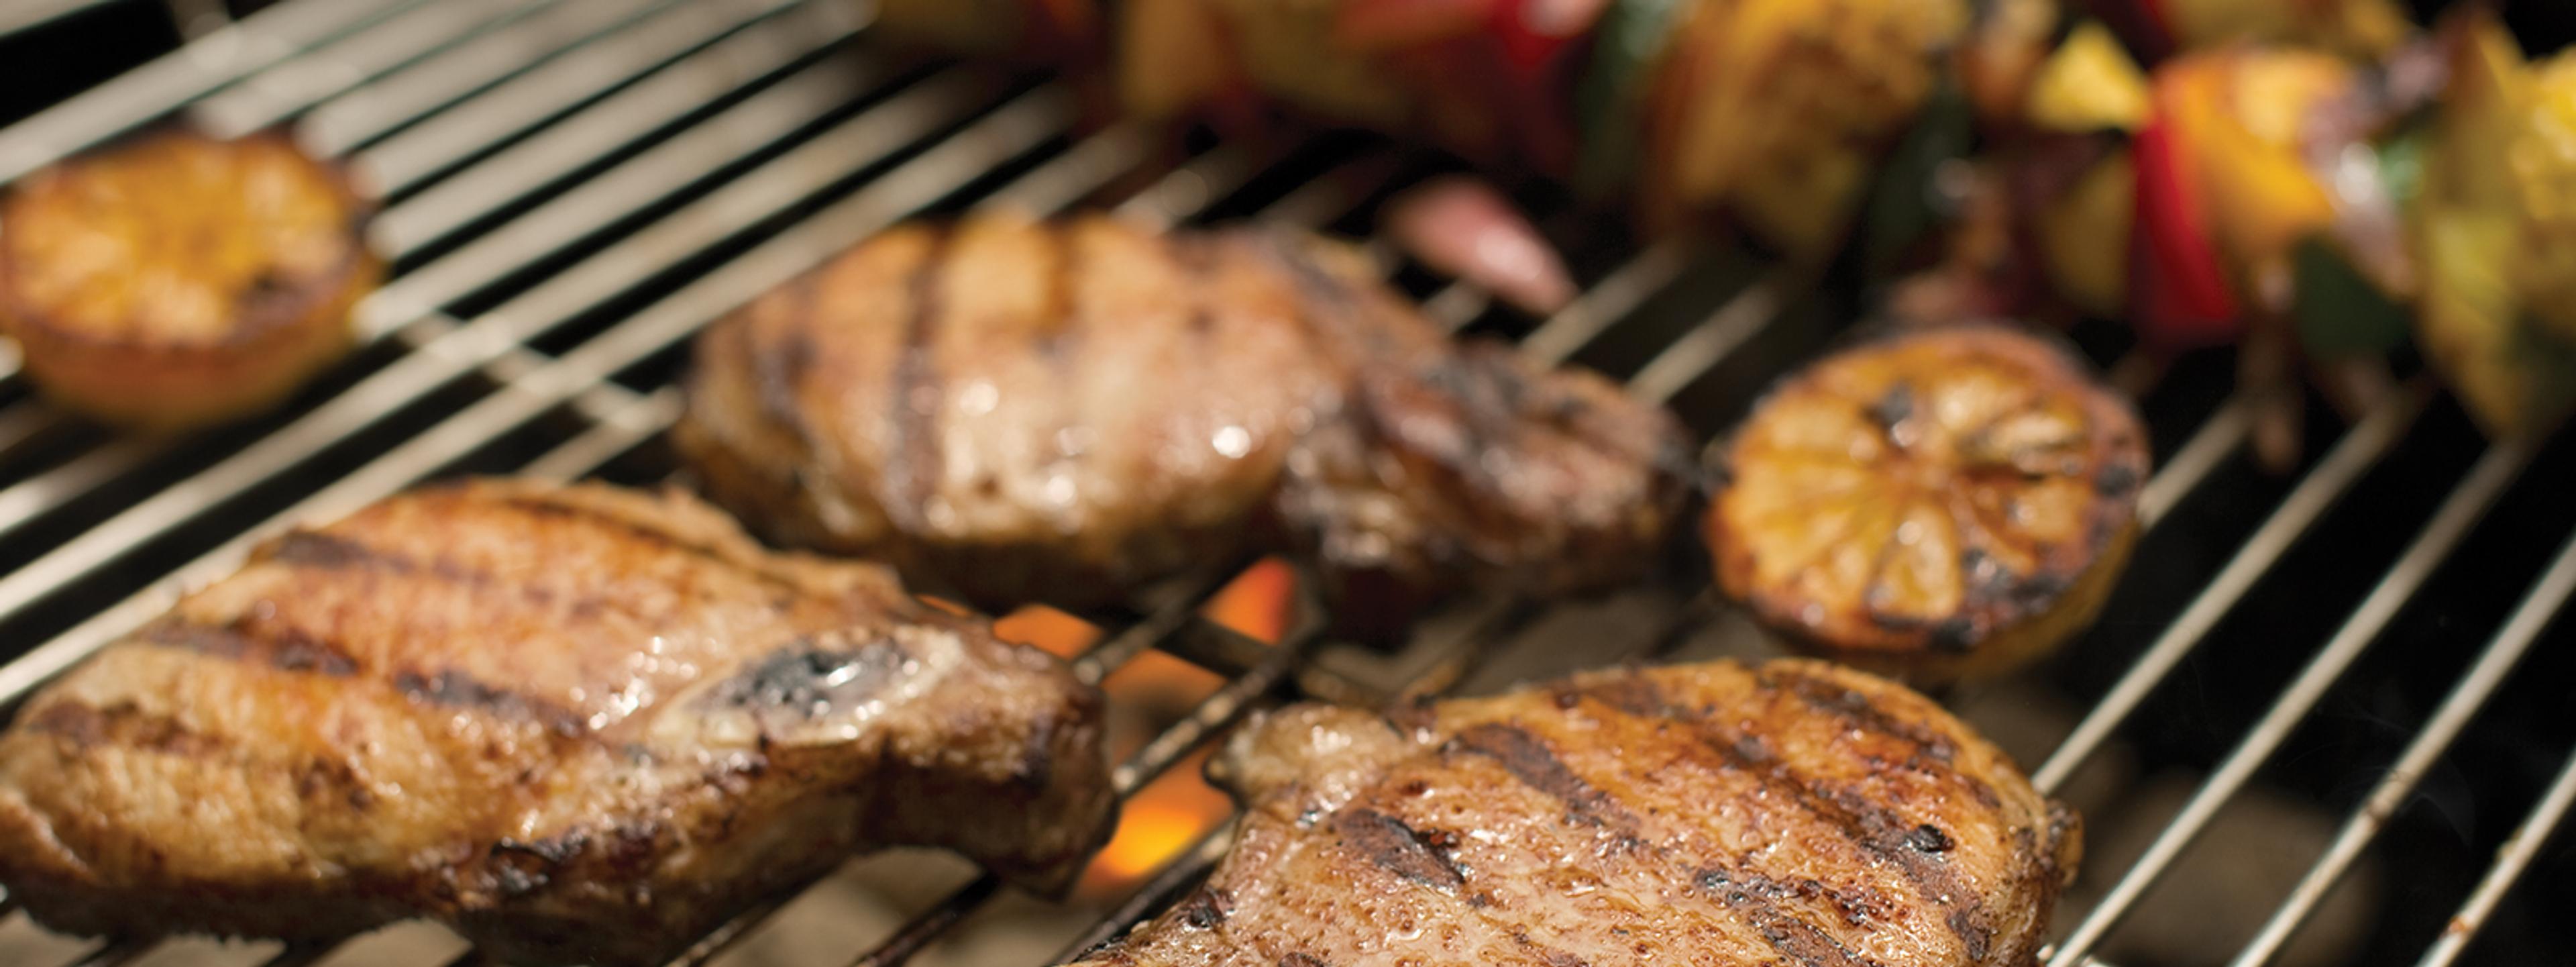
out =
column 1790, row 812
column 179, row 281
column 2274, row 194
column 575, row 723
column 2248, row 193
column 1015, row 411
column 1934, row 504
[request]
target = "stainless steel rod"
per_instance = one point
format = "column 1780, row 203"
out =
column 355, row 117
column 2511, row 862
column 741, row 203
column 410, row 305
column 172, row 80
column 661, row 42
column 2547, row 598
column 2450, row 524
column 291, row 85
column 2343, row 466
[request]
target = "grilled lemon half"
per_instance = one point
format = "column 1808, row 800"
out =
column 181, row 280
column 1936, row 504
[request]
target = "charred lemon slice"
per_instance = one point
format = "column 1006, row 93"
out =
column 181, row 280
column 1937, row 504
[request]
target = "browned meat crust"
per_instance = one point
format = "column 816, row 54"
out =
column 1788, row 813
column 1060, row 412
column 575, row 723
column 179, row 280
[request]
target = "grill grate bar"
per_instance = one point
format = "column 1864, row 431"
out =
column 1617, row 295
column 2217, row 439
column 123, row 950
column 785, row 180
column 2451, row 523
column 1157, row 757
column 407, row 301
column 436, row 143
column 299, row 82
column 176, row 78
column 1207, row 179
column 1709, row 343
column 1016, row 127
column 27, row 15
column 2511, row 862
column 2548, row 596
column 2360, row 449
column 362, row 114
column 1162, row 891
column 407, row 305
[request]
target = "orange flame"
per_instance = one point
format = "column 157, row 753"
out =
column 1174, row 810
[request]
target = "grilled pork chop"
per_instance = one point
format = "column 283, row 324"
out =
column 575, row 723
column 1018, row 411
column 1789, row 813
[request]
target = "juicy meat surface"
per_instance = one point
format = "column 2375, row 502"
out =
column 1787, row 813
column 576, row 723
column 1020, row 411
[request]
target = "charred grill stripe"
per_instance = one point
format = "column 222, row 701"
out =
column 1301, row 960
column 1878, row 832
column 1529, row 759
column 451, row 688
column 1633, row 694
column 322, row 552
column 1856, row 710
column 1794, row 938
column 122, row 725
column 1204, row 910
column 619, row 524
column 1059, row 313
column 1550, row 956
column 778, row 367
column 255, row 643
column 912, row 456
column 1196, row 260
column 1398, row 848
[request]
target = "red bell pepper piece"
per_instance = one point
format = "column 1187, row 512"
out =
column 2179, row 297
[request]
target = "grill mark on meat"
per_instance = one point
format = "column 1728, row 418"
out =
column 1398, row 848
column 1750, row 896
column 811, row 680
column 331, row 553
column 320, row 551
column 1632, row 694
column 912, row 456
column 256, row 643
column 1529, row 759
column 615, row 523
column 125, row 725
column 1059, row 313
column 1301, row 960
column 1205, row 908
column 1855, row 709
column 1196, row 260
column 1548, row 955
column 452, row 688
column 1877, row 831
column 778, row 367
column 1452, row 379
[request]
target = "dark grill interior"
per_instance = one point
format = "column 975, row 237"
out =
column 574, row 186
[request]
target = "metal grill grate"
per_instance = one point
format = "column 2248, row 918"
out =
column 575, row 186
